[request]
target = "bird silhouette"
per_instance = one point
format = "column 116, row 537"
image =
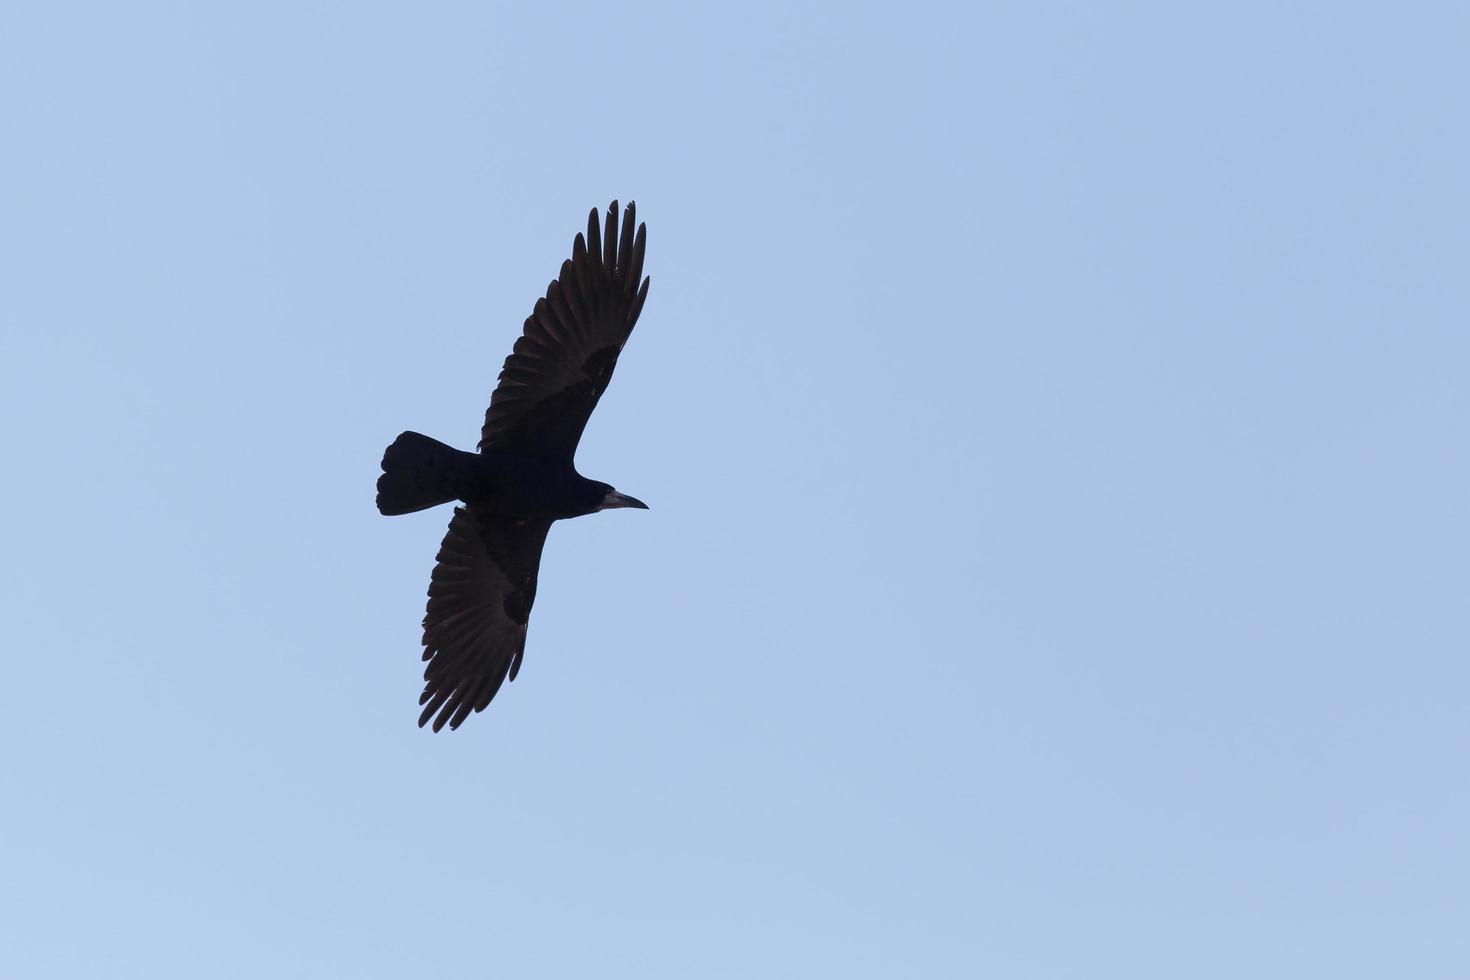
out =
column 523, row 477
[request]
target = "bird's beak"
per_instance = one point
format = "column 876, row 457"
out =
column 615, row 499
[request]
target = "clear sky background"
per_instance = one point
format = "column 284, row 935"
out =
column 1054, row 418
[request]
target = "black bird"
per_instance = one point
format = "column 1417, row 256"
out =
column 523, row 477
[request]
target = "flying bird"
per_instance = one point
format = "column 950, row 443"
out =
column 523, row 478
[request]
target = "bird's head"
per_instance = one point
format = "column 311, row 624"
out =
column 610, row 499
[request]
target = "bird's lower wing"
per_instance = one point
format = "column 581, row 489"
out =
column 480, row 598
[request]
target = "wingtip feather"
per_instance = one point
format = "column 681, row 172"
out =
column 610, row 238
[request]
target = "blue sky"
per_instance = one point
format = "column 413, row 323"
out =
column 1053, row 415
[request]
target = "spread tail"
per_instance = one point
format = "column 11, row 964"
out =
column 418, row 473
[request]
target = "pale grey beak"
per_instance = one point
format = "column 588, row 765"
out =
column 615, row 499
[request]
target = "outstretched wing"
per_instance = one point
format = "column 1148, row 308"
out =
column 479, row 600
column 565, row 357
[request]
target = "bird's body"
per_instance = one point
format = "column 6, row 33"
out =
column 523, row 478
column 507, row 484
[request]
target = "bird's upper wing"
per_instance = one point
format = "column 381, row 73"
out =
column 479, row 600
column 564, row 359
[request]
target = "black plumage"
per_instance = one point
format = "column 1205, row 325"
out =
column 523, row 477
